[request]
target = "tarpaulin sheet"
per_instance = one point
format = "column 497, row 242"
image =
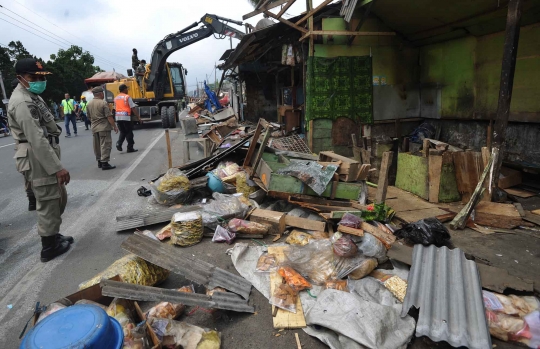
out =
column 367, row 317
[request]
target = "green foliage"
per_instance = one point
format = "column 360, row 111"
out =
column 378, row 212
column 69, row 67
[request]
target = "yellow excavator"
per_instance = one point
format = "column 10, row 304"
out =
column 165, row 83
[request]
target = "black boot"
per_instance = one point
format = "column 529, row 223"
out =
column 99, row 164
column 131, row 150
column 106, row 166
column 31, row 203
column 118, row 146
column 52, row 248
column 63, row 238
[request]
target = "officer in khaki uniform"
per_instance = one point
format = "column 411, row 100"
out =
column 102, row 122
column 38, row 154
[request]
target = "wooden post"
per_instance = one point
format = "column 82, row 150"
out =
column 511, row 41
column 169, row 155
column 426, row 147
column 434, row 176
column 382, row 186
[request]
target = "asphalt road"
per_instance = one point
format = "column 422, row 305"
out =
column 95, row 198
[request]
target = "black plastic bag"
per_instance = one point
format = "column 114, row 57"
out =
column 429, row 231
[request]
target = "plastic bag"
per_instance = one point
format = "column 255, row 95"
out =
column 86, row 301
column 351, row 221
column 284, row 297
column 370, row 246
column 177, row 334
column 166, row 310
column 340, row 285
column 119, row 309
column 298, row 238
column 511, row 304
column 245, row 185
column 165, row 232
column 227, row 170
column 356, row 267
column 429, row 231
column 502, row 326
column 137, row 338
column 223, row 235
column 344, row 246
column 267, row 263
column 237, row 225
column 132, row 270
column 51, row 309
column 316, row 261
column 533, row 322
column 225, row 205
column 187, row 228
column 293, row 279
column 149, row 234
column 392, row 283
column 172, row 188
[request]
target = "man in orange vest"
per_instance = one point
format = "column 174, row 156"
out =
column 124, row 106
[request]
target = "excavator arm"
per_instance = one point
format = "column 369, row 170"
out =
column 212, row 25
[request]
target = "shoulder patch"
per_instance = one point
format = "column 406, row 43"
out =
column 34, row 111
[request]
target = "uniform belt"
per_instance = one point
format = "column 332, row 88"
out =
column 19, row 142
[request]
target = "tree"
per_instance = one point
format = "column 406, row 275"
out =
column 69, row 67
column 8, row 56
column 17, row 51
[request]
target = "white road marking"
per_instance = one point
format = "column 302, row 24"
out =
column 7, row 145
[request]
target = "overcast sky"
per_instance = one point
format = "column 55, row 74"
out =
column 111, row 29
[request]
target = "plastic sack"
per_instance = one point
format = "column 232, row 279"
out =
column 225, row 205
column 370, row 246
column 51, row 309
column 132, row 270
column 177, row 334
column 511, row 304
column 356, row 267
column 351, row 221
column 241, row 226
column 298, row 238
column 119, row 309
column 267, row 263
column 344, row 246
column 293, row 279
column 429, row 231
column 533, row 322
column 504, row 327
column 165, row 232
column 245, row 185
column 316, row 261
column 187, row 228
column 223, row 235
column 172, row 188
column 226, row 170
column 137, row 338
column 340, row 285
column 166, row 310
column 284, row 297
column 149, row 234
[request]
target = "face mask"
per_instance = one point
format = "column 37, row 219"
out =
column 36, row 87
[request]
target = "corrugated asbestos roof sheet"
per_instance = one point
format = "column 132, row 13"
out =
column 446, row 287
column 347, row 9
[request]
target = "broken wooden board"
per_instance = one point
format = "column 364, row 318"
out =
column 497, row 215
column 434, row 176
column 305, row 223
column 469, row 167
column 412, row 174
column 348, row 169
column 492, row 278
column 509, row 178
column 283, row 318
column 536, row 212
column 533, row 218
column 349, row 230
column 447, row 217
column 275, row 221
column 384, row 237
column 448, row 191
column 416, row 215
column 519, row 192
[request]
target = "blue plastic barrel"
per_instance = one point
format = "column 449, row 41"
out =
column 79, row 326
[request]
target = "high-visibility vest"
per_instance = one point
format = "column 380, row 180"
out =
column 121, row 105
column 67, row 106
column 83, row 106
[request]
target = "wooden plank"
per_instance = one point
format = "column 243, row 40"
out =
column 305, row 223
column 468, row 167
column 533, row 218
column 264, row 142
column 349, row 230
column 448, row 191
column 536, row 212
column 348, row 33
column 283, row 318
column 285, row 8
column 412, row 174
column 461, row 218
column 168, row 139
column 289, row 23
column 497, row 215
column 385, row 238
column 416, row 215
column 348, row 165
column 510, row 178
column 382, row 186
column 273, row 219
column 253, row 144
column 312, row 12
column 434, row 175
column 447, row 217
column 425, row 147
column 519, row 192
column 261, row 10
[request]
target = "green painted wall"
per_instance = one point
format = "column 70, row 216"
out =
column 468, row 71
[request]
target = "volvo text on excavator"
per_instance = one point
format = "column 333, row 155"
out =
column 164, row 83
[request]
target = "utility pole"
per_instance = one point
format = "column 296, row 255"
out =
column 3, row 88
column 511, row 40
column 197, row 82
column 215, row 77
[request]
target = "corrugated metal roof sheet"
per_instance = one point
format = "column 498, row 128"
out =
column 446, row 287
column 180, row 262
column 347, row 9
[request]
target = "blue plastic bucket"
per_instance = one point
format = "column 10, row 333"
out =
column 79, row 326
column 214, row 183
